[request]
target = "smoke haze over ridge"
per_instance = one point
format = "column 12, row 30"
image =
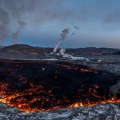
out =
column 98, row 22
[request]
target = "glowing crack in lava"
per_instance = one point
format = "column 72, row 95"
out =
column 43, row 86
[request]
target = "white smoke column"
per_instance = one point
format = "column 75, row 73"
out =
column 16, row 34
column 64, row 35
column 62, row 52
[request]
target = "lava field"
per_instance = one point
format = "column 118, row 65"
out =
column 48, row 85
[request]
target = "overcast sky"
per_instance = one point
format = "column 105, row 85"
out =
column 40, row 22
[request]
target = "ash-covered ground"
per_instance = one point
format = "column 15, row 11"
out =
column 97, row 112
column 107, row 111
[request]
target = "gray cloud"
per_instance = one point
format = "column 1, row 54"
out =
column 4, row 23
column 32, row 11
column 39, row 12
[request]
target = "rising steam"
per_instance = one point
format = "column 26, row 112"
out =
column 76, row 27
column 63, row 36
column 30, row 11
column 16, row 34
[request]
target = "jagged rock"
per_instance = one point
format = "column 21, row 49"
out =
column 98, row 112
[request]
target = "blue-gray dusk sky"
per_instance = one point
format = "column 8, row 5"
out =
column 40, row 22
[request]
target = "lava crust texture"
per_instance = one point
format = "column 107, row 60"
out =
column 44, row 85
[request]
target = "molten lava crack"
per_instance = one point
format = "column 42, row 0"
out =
column 44, row 86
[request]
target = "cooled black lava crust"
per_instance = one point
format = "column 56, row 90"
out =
column 46, row 84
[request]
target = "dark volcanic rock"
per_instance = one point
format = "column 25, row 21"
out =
column 43, row 85
column 23, row 51
column 98, row 112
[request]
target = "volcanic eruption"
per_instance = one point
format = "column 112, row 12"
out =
column 48, row 85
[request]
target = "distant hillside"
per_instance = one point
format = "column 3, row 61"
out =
column 1, row 47
column 91, row 51
column 23, row 51
column 23, row 48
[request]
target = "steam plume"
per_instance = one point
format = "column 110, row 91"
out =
column 63, row 36
column 34, row 12
column 76, row 27
column 16, row 34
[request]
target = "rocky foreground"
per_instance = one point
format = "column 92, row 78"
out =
column 98, row 112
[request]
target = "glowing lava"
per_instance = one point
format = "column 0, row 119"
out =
column 44, row 86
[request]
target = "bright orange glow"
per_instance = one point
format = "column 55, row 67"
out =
column 42, row 93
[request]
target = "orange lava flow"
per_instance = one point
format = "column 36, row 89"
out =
column 17, row 99
column 45, row 86
column 26, row 108
column 90, row 103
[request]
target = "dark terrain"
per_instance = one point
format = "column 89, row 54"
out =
column 22, row 84
column 43, row 86
column 22, row 51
